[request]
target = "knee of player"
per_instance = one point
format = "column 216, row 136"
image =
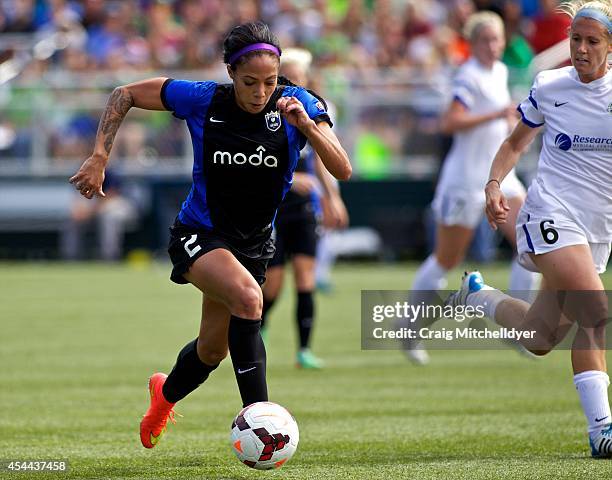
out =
column 212, row 355
column 448, row 262
column 248, row 303
column 305, row 284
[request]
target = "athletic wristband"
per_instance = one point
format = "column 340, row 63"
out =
column 494, row 180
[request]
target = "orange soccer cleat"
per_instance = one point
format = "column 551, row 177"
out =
column 153, row 424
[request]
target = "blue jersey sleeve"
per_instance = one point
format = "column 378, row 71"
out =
column 314, row 107
column 183, row 97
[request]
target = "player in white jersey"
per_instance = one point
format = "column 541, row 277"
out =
column 478, row 118
column 564, row 229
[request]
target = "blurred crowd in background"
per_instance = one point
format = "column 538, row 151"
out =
column 187, row 34
column 385, row 65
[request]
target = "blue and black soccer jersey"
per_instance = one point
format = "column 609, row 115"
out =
column 243, row 162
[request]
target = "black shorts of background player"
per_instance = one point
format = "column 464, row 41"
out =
column 253, row 130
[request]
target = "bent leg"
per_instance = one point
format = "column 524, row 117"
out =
column 231, row 313
column 221, row 277
column 227, row 282
column 564, row 270
column 543, row 316
column 201, row 356
column 572, row 294
column 585, row 304
column 571, row 270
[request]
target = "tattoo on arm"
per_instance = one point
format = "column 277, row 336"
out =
column 118, row 104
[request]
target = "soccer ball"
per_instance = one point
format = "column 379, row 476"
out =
column 264, row 435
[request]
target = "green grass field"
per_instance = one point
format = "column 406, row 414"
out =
column 79, row 341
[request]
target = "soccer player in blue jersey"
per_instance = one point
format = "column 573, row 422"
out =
column 247, row 138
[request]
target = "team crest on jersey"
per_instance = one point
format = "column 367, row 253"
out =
column 610, row 109
column 273, row 121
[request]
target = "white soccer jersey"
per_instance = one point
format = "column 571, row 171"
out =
column 481, row 91
column 575, row 166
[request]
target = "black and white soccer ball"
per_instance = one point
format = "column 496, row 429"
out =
column 264, row 435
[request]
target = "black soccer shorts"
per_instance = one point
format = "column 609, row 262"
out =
column 187, row 244
column 295, row 234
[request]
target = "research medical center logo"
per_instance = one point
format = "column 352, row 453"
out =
column 563, row 141
column 583, row 143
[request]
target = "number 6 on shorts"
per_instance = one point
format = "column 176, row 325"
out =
column 550, row 235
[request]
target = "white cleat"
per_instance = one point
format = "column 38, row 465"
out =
column 416, row 353
column 473, row 282
column 470, row 282
column 414, row 349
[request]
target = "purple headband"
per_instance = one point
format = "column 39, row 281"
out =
column 250, row 48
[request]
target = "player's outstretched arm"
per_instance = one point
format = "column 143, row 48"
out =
column 145, row 94
column 458, row 117
column 320, row 136
column 506, row 158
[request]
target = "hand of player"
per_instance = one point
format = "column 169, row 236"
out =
column 335, row 215
column 497, row 207
column 305, row 183
column 88, row 180
column 508, row 112
column 294, row 112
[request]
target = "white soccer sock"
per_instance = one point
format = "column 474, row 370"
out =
column 488, row 299
column 430, row 275
column 523, row 283
column 592, row 387
column 325, row 258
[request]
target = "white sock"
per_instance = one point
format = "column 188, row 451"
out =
column 430, row 277
column 325, row 258
column 523, row 283
column 488, row 299
column 592, row 387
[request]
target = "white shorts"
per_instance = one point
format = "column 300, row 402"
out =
column 456, row 206
column 539, row 233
